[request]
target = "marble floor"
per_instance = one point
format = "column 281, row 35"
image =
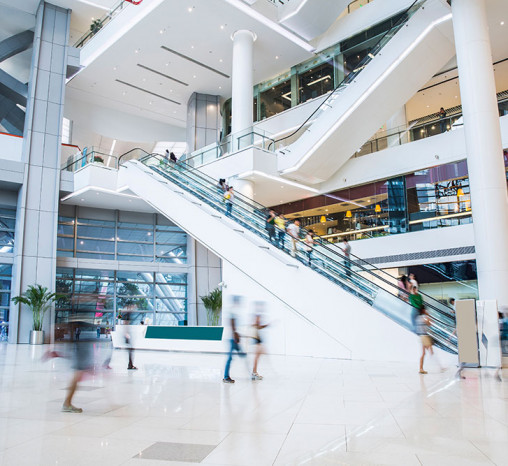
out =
column 175, row 410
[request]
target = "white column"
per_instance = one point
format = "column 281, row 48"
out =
column 242, row 87
column 484, row 149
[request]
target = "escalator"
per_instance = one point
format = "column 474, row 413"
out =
column 395, row 68
column 354, row 288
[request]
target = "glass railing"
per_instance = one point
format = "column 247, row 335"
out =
column 88, row 156
column 250, row 137
column 426, row 127
column 327, row 103
column 98, row 24
column 356, row 276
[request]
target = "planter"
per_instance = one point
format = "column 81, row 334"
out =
column 36, row 337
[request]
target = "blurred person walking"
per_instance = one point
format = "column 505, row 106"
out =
column 294, row 232
column 127, row 332
column 232, row 318
column 442, row 119
column 402, row 284
column 258, row 340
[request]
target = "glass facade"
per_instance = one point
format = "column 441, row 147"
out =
column 7, row 227
column 5, row 299
column 114, row 239
column 431, row 198
column 99, row 297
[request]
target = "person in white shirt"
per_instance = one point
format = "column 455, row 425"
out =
column 232, row 318
column 294, row 232
column 309, row 244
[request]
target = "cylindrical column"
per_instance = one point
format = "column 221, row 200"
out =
column 242, row 105
column 485, row 162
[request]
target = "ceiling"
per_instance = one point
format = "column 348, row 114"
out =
column 198, row 29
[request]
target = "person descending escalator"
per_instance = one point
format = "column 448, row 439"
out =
column 270, row 225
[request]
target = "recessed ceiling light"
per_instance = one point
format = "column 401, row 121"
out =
column 276, row 57
column 220, row 87
column 191, row 46
column 82, row 199
column 114, row 68
column 171, row 90
column 167, row 64
column 220, row 60
column 123, row 93
column 161, row 31
column 502, row 23
column 174, row 111
column 144, row 79
column 93, row 19
column 194, row 76
column 190, row 9
column 136, row 51
column 150, row 103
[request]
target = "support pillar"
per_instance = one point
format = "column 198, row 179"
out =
column 38, row 199
column 485, row 162
column 242, row 86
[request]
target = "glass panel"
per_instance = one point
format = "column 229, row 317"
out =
column 91, row 255
column 170, row 319
column 98, row 232
column 275, row 100
column 171, row 252
column 171, row 291
column 67, row 230
column 91, row 245
column 316, row 81
column 173, row 237
column 65, row 243
column 135, row 235
column 135, row 248
column 171, row 278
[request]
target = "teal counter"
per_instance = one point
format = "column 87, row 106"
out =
column 185, row 333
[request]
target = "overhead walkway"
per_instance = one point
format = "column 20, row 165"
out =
column 356, row 304
column 403, row 60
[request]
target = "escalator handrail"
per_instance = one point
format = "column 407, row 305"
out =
column 351, row 75
column 323, row 243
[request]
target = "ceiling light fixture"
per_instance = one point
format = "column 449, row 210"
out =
column 502, row 23
column 238, row 4
column 319, row 80
column 190, row 9
column 276, row 57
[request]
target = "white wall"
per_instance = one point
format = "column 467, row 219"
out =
column 90, row 120
column 418, row 241
column 10, row 147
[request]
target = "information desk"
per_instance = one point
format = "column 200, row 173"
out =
column 168, row 338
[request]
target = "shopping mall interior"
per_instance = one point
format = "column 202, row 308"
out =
column 261, row 232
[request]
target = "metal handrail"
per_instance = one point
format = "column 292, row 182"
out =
column 363, row 265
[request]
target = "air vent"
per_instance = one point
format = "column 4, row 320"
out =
column 162, row 74
column 185, row 57
column 147, row 92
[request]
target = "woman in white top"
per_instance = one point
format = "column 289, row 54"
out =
column 309, row 244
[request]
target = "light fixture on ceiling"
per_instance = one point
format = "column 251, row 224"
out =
column 222, row 26
column 377, row 208
column 348, row 214
column 220, row 87
column 137, row 51
column 276, row 57
column 502, row 23
column 190, row 9
column 323, row 219
column 167, row 64
column 220, row 60
column 194, row 76
column 318, row 80
column 114, row 68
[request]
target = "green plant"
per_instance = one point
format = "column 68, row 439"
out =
column 213, row 305
column 98, row 159
column 39, row 300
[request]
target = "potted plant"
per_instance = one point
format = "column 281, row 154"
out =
column 98, row 159
column 39, row 300
column 213, row 305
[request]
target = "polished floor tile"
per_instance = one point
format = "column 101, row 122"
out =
column 176, row 411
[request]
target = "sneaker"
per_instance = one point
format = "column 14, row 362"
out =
column 256, row 376
column 71, row 409
column 228, row 380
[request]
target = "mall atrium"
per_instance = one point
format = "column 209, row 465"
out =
column 253, row 232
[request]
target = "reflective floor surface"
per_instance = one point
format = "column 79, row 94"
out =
column 175, row 410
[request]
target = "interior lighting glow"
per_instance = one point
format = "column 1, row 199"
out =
column 318, row 80
column 367, row 94
column 238, row 4
column 278, row 179
column 81, row 191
